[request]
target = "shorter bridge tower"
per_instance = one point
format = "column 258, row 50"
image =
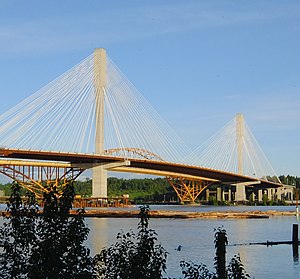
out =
column 240, row 194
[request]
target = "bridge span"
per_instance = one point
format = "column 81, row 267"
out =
column 31, row 167
column 92, row 117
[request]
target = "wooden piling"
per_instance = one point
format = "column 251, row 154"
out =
column 295, row 243
column 295, row 234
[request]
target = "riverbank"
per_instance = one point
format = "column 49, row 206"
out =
column 185, row 214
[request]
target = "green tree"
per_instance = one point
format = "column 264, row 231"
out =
column 47, row 245
column 265, row 199
column 83, row 188
column 134, row 256
column 17, row 235
column 191, row 270
column 6, row 188
column 59, row 251
column 252, row 199
column 234, row 270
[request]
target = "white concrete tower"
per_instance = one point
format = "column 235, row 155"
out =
column 240, row 194
column 99, row 173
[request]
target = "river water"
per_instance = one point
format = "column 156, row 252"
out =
column 196, row 236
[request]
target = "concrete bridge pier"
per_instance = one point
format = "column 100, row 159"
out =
column 207, row 195
column 229, row 194
column 260, row 195
column 240, row 192
column 269, row 193
column 219, row 194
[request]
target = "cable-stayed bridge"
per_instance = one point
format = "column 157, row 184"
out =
column 93, row 117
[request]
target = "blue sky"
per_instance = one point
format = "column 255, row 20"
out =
column 197, row 62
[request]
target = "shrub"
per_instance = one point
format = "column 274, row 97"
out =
column 17, row 235
column 234, row 270
column 48, row 245
column 134, row 256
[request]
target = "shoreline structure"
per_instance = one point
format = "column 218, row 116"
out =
column 103, row 212
column 185, row 214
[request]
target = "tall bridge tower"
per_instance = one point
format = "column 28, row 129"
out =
column 99, row 188
column 240, row 135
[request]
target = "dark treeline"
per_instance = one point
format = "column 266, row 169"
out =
column 290, row 180
column 139, row 190
column 6, row 188
column 146, row 189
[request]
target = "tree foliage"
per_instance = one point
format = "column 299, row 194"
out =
column 196, row 271
column 59, row 249
column 48, row 245
column 17, row 235
column 290, row 180
column 134, row 256
column 234, row 270
column 140, row 190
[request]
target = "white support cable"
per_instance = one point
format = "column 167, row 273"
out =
column 114, row 123
column 221, row 152
column 38, row 112
column 61, row 117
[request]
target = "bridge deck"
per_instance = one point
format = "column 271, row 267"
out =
column 136, row 165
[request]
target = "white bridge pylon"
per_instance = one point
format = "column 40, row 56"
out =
column 234, row 149
column 90, row 108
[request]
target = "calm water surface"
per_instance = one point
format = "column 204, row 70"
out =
column 196, row 236
column 197, row 239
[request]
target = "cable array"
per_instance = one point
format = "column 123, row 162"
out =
column 132, row 122
column 220, row 152
column 57, row 117
column 61, row 117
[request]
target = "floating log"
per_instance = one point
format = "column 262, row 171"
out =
column 171, row 214
column 108, row 213
column 295, row 241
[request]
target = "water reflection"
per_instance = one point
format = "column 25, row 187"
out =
column 103, row 231
column 196, row 238
column 295, row 249
column 295, row 242
column 98, row 234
